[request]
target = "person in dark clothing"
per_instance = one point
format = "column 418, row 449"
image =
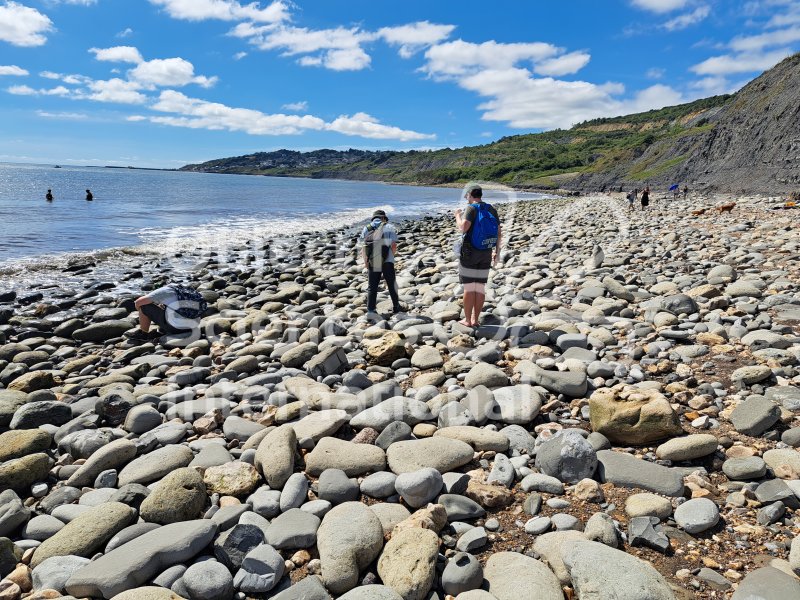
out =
column 49, row 196
column 645, row 200
column 378, row 249
column 474, row 263
column 89, row 196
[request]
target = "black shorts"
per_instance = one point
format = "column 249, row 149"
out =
column 474, row 265
column 158, row 316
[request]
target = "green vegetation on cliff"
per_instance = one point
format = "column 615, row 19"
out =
column 539, row 160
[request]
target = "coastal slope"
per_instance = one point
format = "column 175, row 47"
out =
column 743, row 143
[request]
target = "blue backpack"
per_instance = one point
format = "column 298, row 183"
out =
column 186, row 294
column 484, row 228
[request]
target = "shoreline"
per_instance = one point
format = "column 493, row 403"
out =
column 690, row 321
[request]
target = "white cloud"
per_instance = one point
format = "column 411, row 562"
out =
column 413, row 37
column 296, row 106
column 367, row 126
column 655, row 73
column 23, row 26
column 715, row 85
column 116, row 90
column 688, row 19
column 660, row 6
column 80, row 2
column 566, row 64
column 459, row 58
column 194, row 113
column 239, row 55
column 24, row 90
column 780, row 37
column 224, row 10
column 743, row 62
column 339, row 48
column 165, row 72
column 70, row 79
column 12, row 70
column 125, row 33
column 68, row 116
column 127, row 54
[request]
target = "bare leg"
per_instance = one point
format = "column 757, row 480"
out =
column 477, row 307
column 469, row 301
column 144, row 321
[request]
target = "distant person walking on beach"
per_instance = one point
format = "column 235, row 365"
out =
column 685, row 192
column 480, row 249
column 175, row 309
column 89, row 196
column 645, row 200
column 49, row 196
column 378, row 248
column 631, row 198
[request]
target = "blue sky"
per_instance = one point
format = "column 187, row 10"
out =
column 166, row 82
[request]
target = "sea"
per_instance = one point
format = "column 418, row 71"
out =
column 138, row 211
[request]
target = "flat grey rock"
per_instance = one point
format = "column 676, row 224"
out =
column 593, row 566
column 137, row 562
column 631, row 472
column 767, row 583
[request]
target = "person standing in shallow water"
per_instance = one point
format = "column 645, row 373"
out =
column 89, row 196
column 49, row 196
column 378, row 249
column 474, row 263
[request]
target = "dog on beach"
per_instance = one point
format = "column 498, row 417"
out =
column 726, row 207
column 699, row 212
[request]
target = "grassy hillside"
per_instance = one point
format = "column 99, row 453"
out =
column 636, row 147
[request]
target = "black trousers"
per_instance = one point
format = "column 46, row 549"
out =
column 387, row 273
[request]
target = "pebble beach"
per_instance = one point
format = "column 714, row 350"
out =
column 624, row 424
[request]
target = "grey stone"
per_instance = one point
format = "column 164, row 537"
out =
column 745, row 468
column 502, row 471
column 419, row 487
column 34, row 414
column 408, row 563
column 336, row 487
column 295, row 492
column 379, row 417
column 349, row 539
column 600, row 528
column 689, row 447
column 507, row 573
column 12, row 512
column 112, row 456
column 460, row 508
column 371, row 592
column 155, row 465
column 379, row 485
column 569, row 383
column 233, row 545
column 133, row 564
column 180, row 496
column 472, row 540
column 631, row 472
column 462, row 573
column 646, row 531
column 593, row 566
column 567, row 456
column 486, row 375
column 539, row 482
column 441, row 453
column 767, row 583
column 54, row 572
column 309, row 588
column 516, row 405
column 755, row 415
column 261, row 570
column 697, row 515
column 275, row 455
column 293, row 529
column 42, row 527
column 393, row 432
column 208, row 580
column 353, row 459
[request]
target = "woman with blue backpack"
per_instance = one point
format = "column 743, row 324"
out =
column 480, row 249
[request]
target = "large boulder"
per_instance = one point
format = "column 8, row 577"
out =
column 103, row 331
column 180, row 496
column 138, row 561
column 514, row 576
column 599, row 571
column 349, row 539
column 632, row 416
column 567, row 456
column 408, row 563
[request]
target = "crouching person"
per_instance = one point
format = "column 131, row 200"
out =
column 175, row 309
